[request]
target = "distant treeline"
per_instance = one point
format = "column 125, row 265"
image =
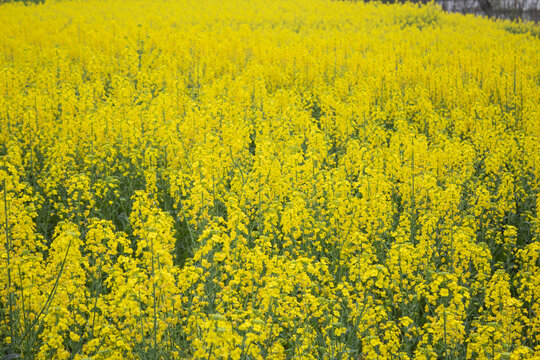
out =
column 507, row 9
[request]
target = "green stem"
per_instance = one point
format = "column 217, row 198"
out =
column 8, row 249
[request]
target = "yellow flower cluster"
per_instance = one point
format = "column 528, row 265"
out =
column 238, row 179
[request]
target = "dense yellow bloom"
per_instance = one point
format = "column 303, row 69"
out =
column 267, row 180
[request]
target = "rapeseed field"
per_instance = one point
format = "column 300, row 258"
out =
column 248, row 179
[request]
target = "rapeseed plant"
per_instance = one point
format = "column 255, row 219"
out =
column 267, row 180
